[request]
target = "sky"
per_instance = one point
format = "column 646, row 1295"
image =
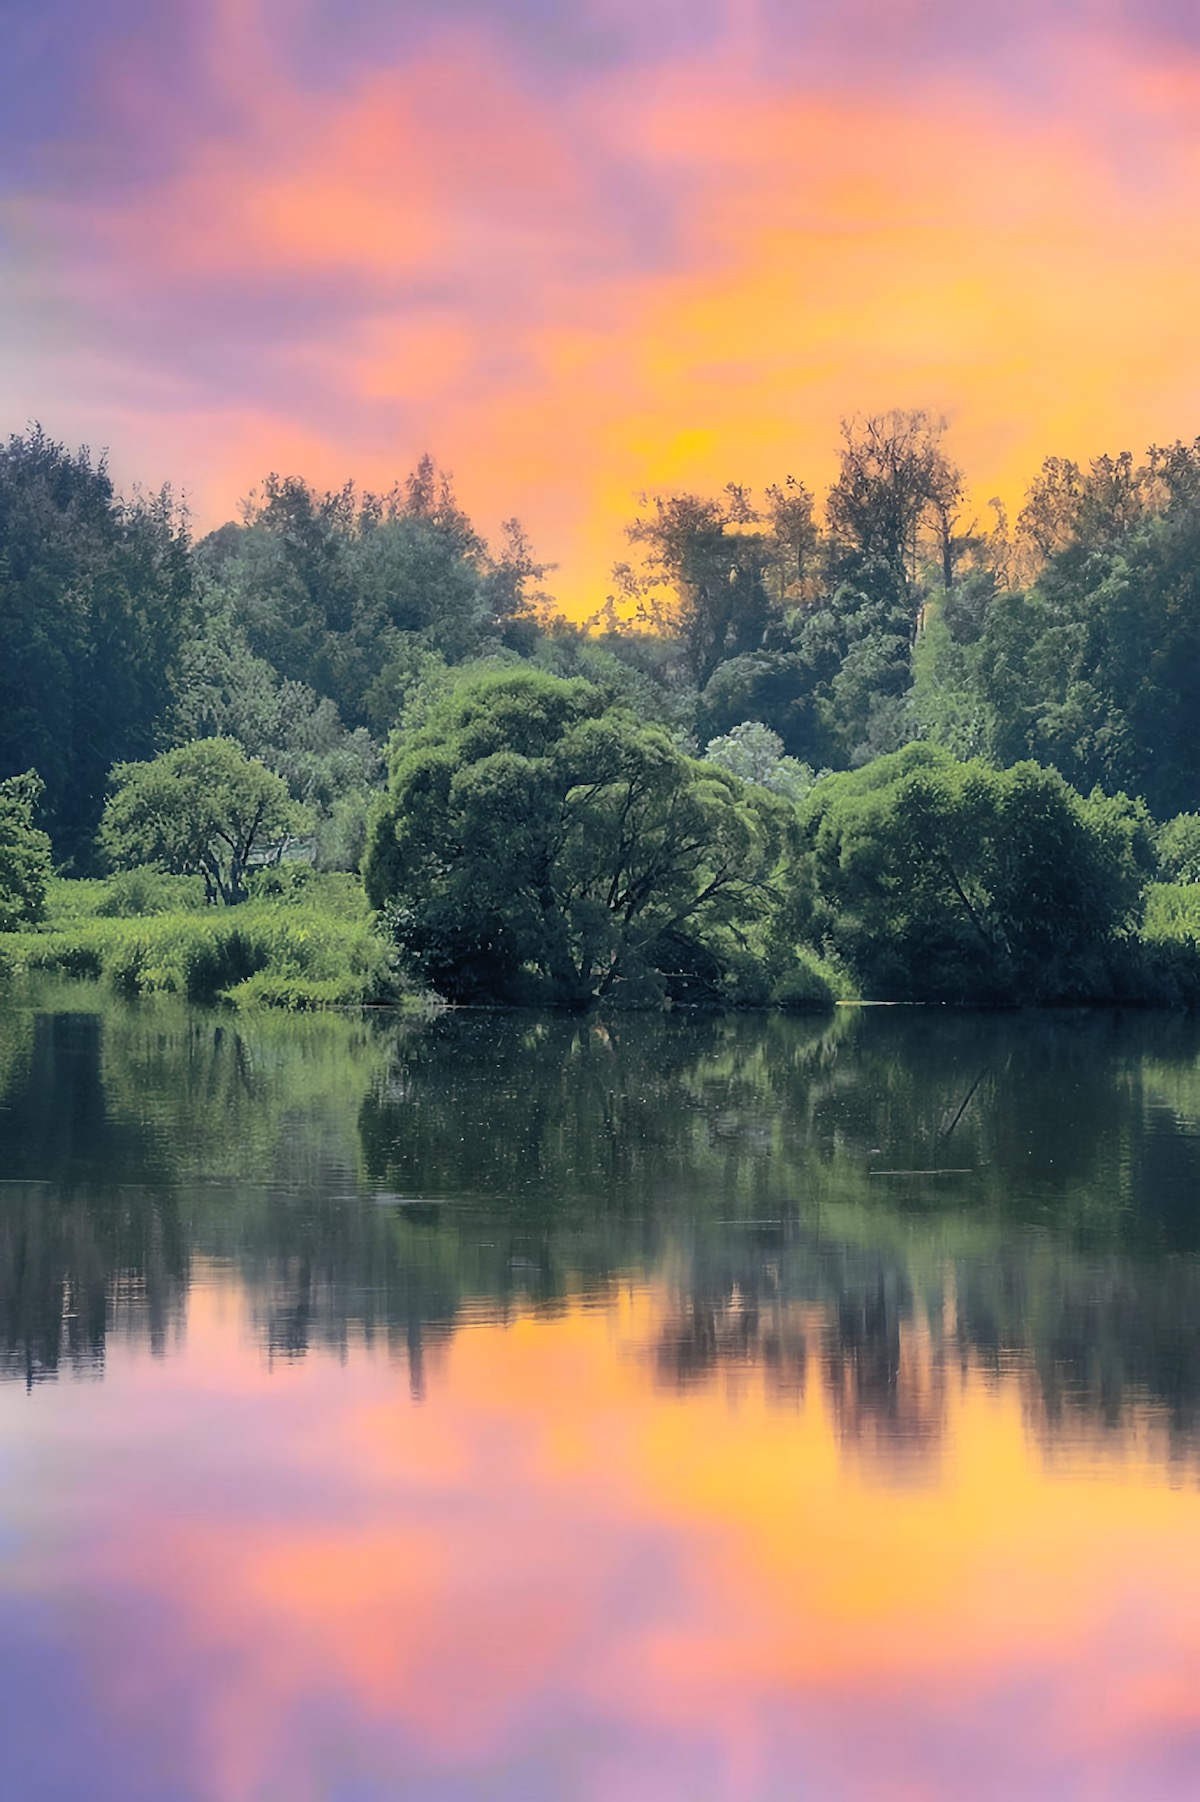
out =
column 586, row 250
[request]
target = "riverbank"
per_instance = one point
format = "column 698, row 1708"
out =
column 297, row 944
column 306, row 941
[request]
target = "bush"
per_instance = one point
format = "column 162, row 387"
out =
column 341, row 838
column 280, row 881
column 1178, row 848
column 220, row 959
column 940, row 880
column 57, row 953
column 24, row 853
column 134, row 894
column 811, row 983
column 300, row 994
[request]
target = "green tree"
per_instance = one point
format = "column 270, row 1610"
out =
column 753, row 753
column 339, row 591
column 1096, row 670
column 225, row 691
column 1178, row 845
column 940, row 879
column 945, row 703
column 95, row 603
column 534, row 843
column 714, row 560
column 204, row 808
column 24, row 853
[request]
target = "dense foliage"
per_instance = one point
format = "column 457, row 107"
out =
column 24, row 853
column 535, row 843
column 642, row 840
column 203, row 809
column 936, row 879
column 95, row 604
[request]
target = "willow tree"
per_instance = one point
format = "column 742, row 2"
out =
column 534, row 843
column 202, row 809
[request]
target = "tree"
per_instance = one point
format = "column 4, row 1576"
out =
column 225, row 691
column 204, row 808
column 95, row 603
column 336, row 590
column 24, row 853
column 945, row 704
column 1178, row 845
column 944, row 880
column 1096, row 670
column 794, row 538
column 894, row 476
column 534, row 843
column 714, row 557
column 753, row 753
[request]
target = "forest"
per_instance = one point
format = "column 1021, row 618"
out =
column 869, row 743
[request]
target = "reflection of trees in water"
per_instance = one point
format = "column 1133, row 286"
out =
column 105, row 1119
column 380, row 1184
column 780, row 1302
column 77, row 1259
column 1096, row 1331
column 886, row 1379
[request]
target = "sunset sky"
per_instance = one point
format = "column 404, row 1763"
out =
column 580, row 249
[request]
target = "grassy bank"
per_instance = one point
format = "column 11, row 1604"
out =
column 307, row 941
column 1168, row 966
column 296, row 944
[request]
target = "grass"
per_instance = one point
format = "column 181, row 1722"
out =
column 1168, row 962
column 308, row 945
column 306, row 941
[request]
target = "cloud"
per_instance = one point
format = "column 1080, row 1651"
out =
column 581, row 257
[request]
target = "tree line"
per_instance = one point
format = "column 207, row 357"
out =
column 777, row 701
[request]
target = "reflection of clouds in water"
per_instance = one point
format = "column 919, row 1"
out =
column 383, row 1187
column 559, row 1577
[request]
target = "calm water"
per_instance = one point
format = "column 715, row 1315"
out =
column 521, row 1408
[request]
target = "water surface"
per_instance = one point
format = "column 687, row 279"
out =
column 514, row 1407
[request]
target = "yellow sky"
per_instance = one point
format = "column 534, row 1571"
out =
column 575, row 283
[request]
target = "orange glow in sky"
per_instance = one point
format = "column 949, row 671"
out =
column 580, row 253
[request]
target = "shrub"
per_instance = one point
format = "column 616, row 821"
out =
column 940, row 880
column 280, row 881
column 1178, row 848
column 24, row 853
column 134, row 894
column 811, row 983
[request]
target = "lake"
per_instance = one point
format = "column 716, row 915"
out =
column 506, row 1406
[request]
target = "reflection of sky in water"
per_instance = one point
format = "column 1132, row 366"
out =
column 584, row 1568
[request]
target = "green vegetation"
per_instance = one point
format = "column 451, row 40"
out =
column 316, row 947
column 24, row 853
column 1178, row 847
column 536, row 845
column 202, row 809
column 941, row 880
column 357, row 680
column 97, row 598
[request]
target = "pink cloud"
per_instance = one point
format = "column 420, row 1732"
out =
column 671, row 271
